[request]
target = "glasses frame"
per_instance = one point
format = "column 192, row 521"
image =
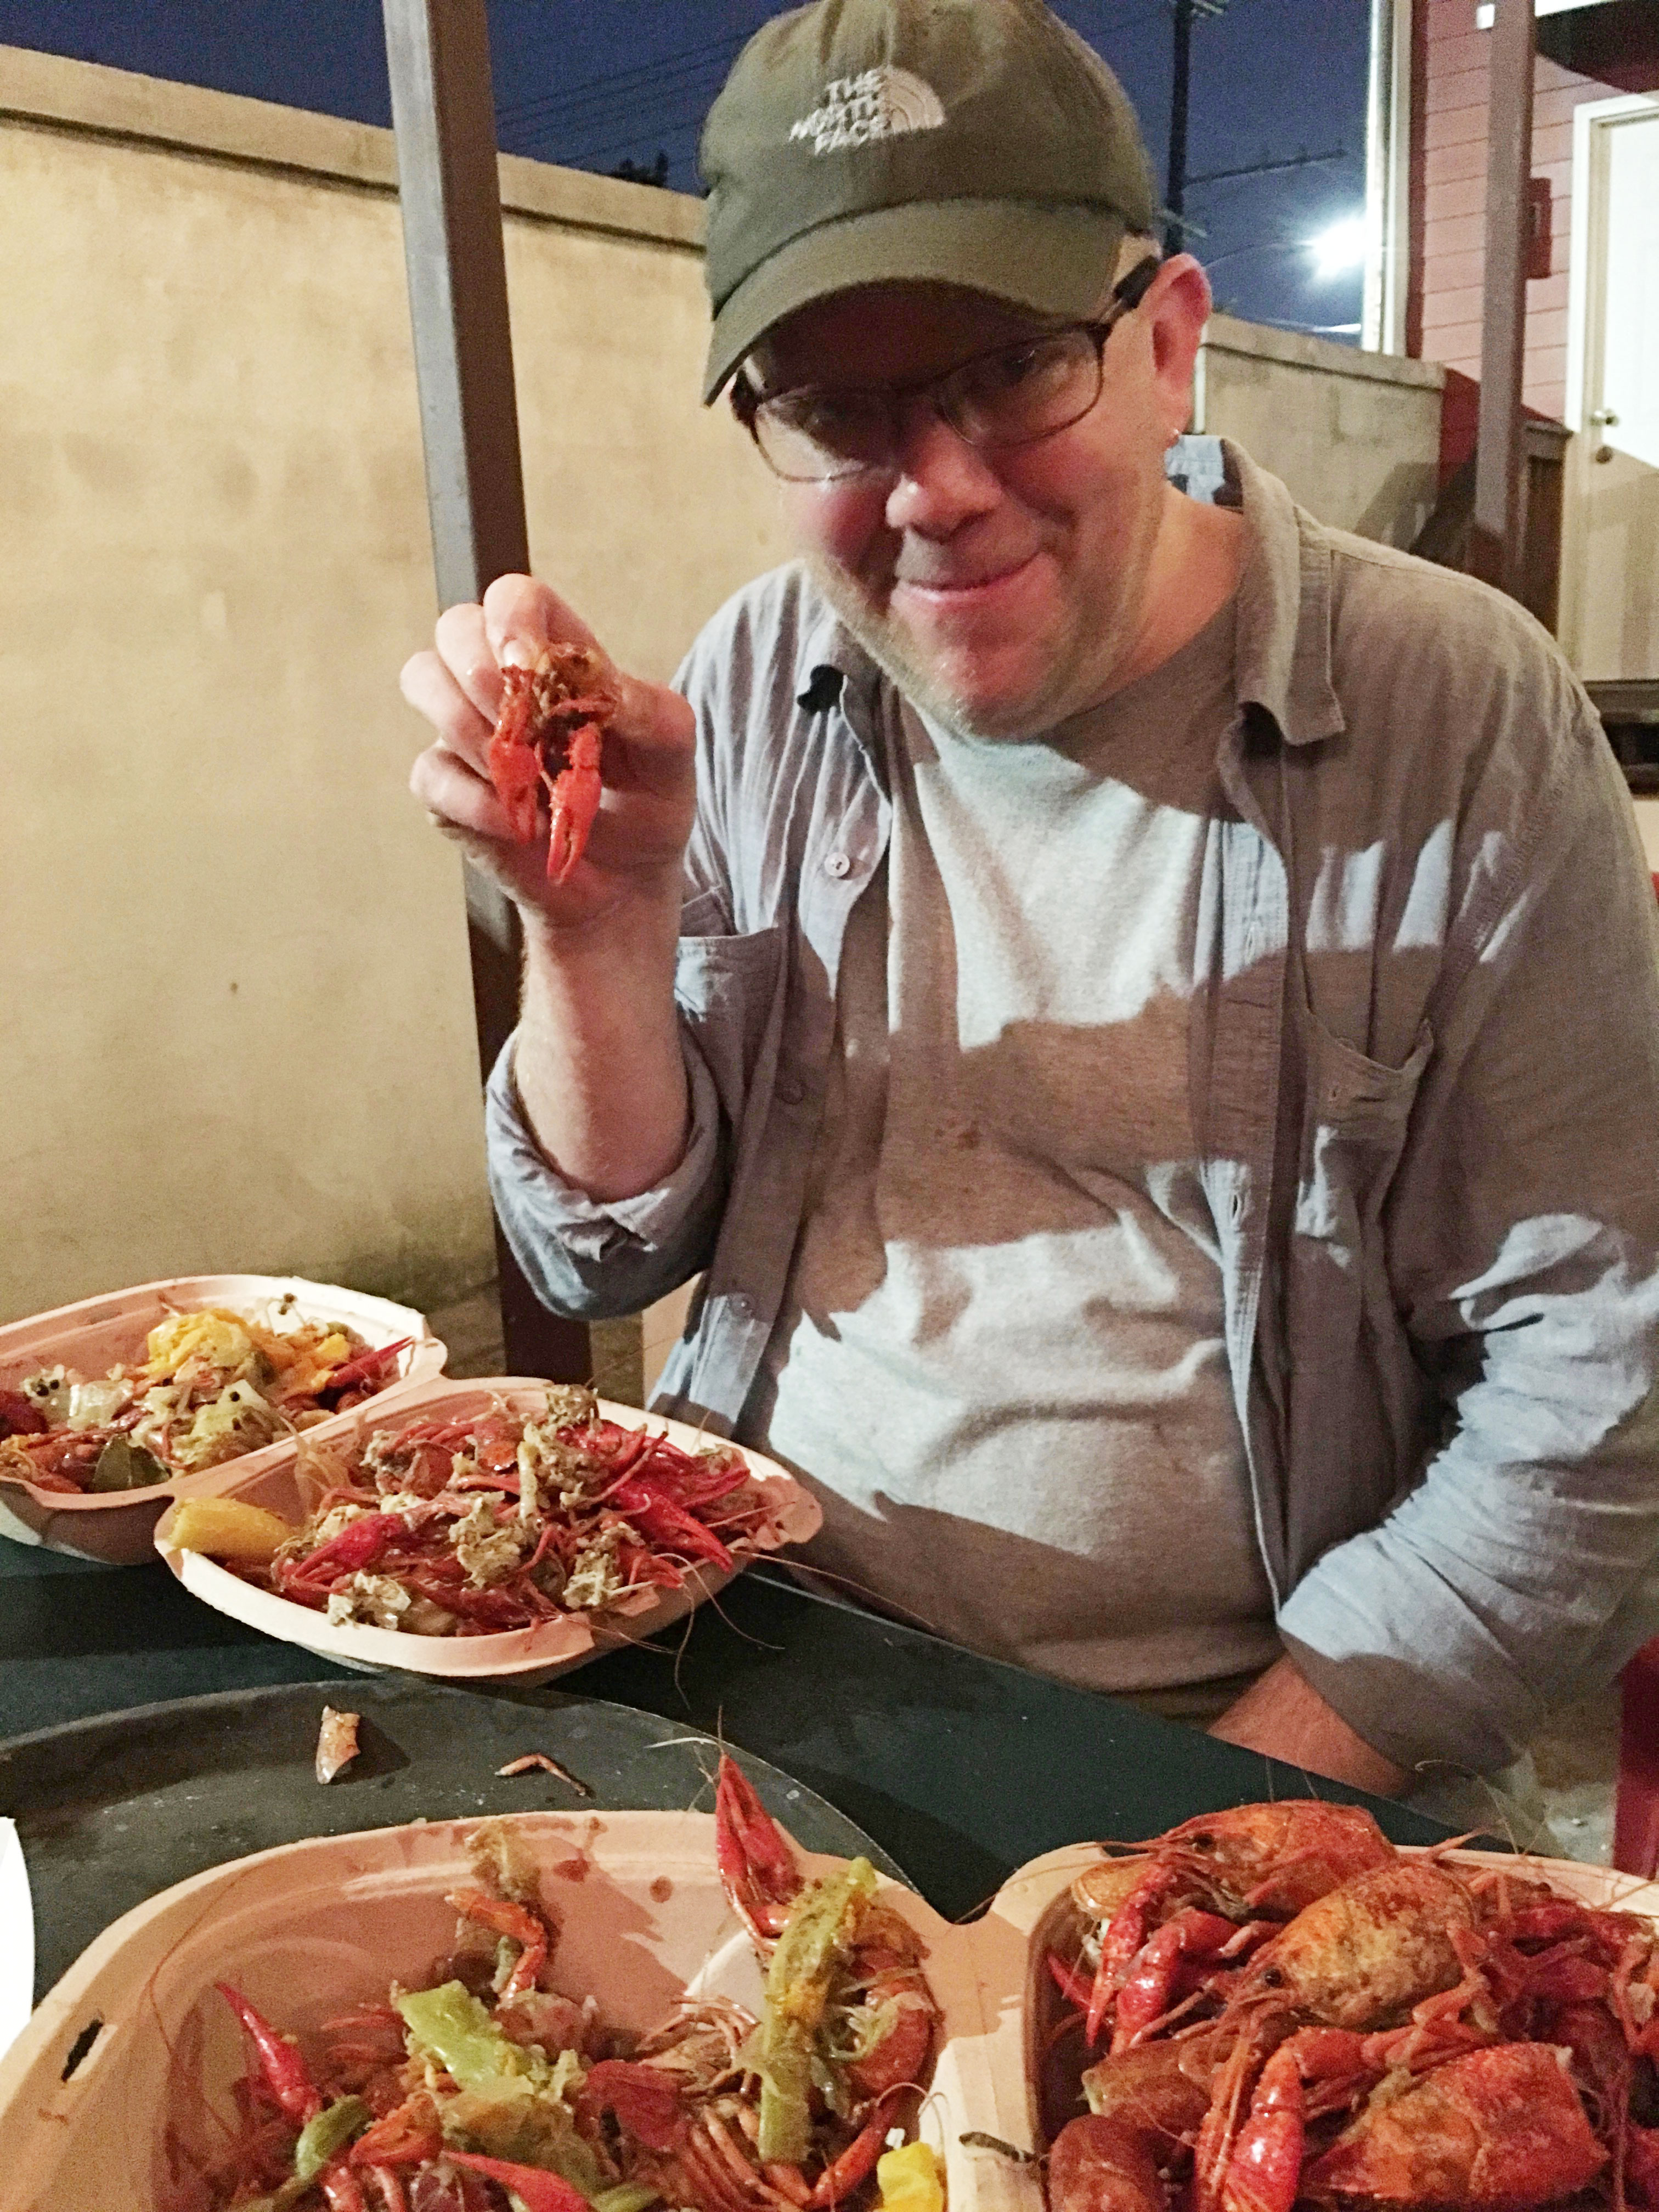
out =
column 748, row 403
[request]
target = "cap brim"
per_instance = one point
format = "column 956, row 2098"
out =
column 1054, row 260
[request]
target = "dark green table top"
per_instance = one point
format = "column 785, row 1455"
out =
column 961, row 1767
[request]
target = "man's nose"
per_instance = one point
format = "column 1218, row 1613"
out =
column 943, row 481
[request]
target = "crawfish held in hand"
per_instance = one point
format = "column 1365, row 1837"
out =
column 551, row 731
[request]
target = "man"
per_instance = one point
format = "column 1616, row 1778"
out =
column 1143, row 1012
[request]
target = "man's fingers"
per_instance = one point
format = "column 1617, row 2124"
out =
column 463, row 647
column 655, row 719
column 432, row 690
column 458, row 688
column 457, row 797
column 521, row 616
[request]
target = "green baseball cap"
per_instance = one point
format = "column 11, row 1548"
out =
column 975, row 142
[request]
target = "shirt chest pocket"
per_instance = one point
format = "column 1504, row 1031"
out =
column 729, row 991
column 1353, row 1133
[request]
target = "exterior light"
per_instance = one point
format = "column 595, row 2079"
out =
column 1341, row 248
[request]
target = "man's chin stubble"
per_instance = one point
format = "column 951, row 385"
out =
column 1026, row 718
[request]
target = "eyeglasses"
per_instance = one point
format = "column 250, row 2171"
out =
column 1012, row 395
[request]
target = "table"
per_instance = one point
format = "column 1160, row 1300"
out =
column 961, row 1767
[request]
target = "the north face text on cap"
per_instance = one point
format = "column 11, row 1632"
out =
column 882, row 103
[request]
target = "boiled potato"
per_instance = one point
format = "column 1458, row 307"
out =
column 224, row 1529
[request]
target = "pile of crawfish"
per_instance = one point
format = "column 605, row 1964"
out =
column 1288, row 2011
column 489, row 2091
column 498, row 1521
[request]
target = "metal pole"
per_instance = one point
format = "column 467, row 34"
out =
column 1497, row 538
column 441, row 107
column 1175, row 190
column 1379, row 174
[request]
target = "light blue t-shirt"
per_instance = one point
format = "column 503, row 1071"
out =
column 1000, row 1361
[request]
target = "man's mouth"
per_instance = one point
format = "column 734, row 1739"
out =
column 949, row 590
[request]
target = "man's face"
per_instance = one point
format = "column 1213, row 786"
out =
column 1001, row 590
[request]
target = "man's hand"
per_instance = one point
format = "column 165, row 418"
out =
column 599, row 1064
column 1282, row 1716
column 650, row 783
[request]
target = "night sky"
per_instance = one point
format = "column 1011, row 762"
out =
column 593, row 84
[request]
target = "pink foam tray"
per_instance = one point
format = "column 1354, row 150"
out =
column 312, row 1929
column 528, row 1654
column 97, row 1333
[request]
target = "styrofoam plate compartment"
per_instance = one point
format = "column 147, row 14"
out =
column 1035, row 1906
column 99, row 1334
column 307, row 1930
column 528, row 1654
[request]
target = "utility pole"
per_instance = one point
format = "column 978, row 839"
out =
column 1497, row 538
column 1175, row 191
column 438, row 52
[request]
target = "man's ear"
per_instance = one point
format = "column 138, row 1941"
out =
column 1175, row 310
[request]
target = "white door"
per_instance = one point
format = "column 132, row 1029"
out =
column 1611, row 586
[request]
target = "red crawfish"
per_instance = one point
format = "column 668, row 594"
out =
column 281, row 2062
column 697, row 2131
column 550, row 732
column 1206, row 1891
column 503, row 1917
column 1496, row 2130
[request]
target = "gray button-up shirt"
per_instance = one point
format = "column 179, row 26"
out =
column 1425, row 1084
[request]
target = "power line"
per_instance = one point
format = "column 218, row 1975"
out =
column 1136, row 23
column 1262, row 245
column 1186, row 12
column 640, row 128
column 649, row 67
column 614, row 81
column 641, row 116
column 595, row 153
column 694, row 71
column 1270, row 168
column 604, row 106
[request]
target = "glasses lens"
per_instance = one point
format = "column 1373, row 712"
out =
column 810, row 435
column 1024, row 391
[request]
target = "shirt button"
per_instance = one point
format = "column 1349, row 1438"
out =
column 790, row 1091
column 743, row 1307
column 837, row 865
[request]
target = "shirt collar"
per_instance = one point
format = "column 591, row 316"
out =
column 829, row 662
column 1284, row 646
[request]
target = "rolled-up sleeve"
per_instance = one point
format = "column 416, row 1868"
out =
column 594, row 1261
column 1523, row 1254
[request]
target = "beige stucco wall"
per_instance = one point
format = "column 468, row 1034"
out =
column 1355, row 436
column 233, row 995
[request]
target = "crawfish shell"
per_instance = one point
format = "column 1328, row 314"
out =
column 1362, row 1956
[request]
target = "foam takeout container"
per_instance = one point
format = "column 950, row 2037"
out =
column 526, row 1654
column 133, row 2044
column 99, row 1334
column 310, row 1930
